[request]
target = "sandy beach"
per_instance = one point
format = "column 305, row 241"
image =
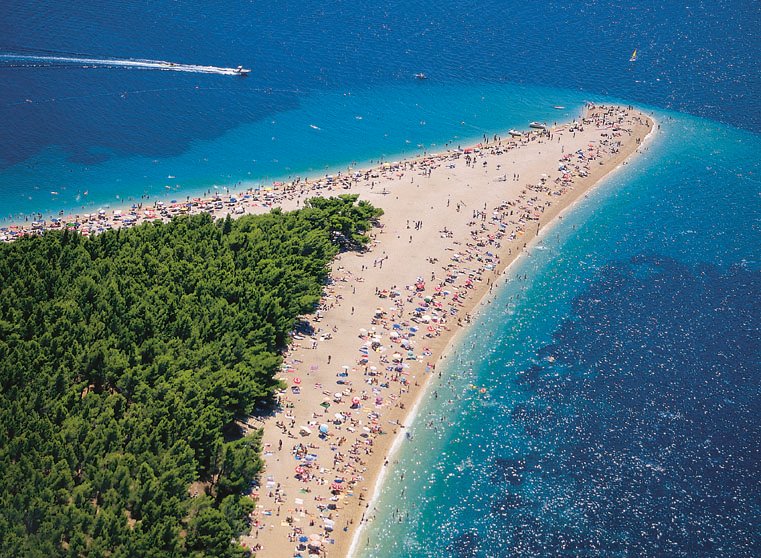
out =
column 453, row 222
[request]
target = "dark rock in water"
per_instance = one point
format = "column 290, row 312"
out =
column 509, row 471
column 506, row 504
column 464, row 545
column 530, row 375
column 535, row 417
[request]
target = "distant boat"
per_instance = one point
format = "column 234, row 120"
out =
column 558, row 107
column 241, row 71
column 633, row 57
column 421, row 75
column 515, row 133
column 538, row 125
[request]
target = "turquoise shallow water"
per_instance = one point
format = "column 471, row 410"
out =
column 328, row 130
column 621, row 364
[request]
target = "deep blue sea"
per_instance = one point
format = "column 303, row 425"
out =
column 621, row 359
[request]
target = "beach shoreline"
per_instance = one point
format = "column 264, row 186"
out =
column 304, row 499
column 101, row 213
column 479, row 307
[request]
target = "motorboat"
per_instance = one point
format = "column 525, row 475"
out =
column 538, row 126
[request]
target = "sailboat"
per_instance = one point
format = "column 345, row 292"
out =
column 633, row 56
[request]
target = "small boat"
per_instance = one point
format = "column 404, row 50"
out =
column 558, row 107
column 241, row 71
column 421, row 75
column 515, row 133
column 538, row 126
column 633, row 57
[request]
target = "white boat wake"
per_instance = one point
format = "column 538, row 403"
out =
column 31, row 60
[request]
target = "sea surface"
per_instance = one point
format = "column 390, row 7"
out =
column 620, row 359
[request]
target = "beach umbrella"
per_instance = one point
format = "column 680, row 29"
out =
column 305, row 430
column 303, row 539
column 324, row 428
column 297, row 381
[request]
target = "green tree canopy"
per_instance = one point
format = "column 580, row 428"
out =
column 124, row 357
